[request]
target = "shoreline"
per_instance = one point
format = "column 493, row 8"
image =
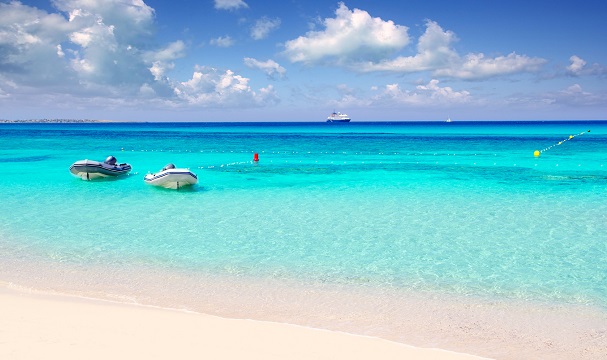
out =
column 38, row 324
column 487, row 327
column 484, row 328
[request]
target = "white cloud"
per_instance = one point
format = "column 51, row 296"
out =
column 351, row 36
column 173, row 51
column 428, row 94
column 361, row 43
column 576, row 66
column 574, row 97
column 132, row 20
column 270, row 67
column 230, row 4
column 478, row 67
column 263, row 27
column 110, row 33
column 162, row 59
column 574, row 89
column 436, row 54
column 210, row 87
column 222, row 41
column 159, row 69
column 60, row 52
column 424, row 96
column 100, row 51
column 443, row 93
column 147, row 91
column 29, row 40
column 87, row 46
column 4, row 85
column 433, row 51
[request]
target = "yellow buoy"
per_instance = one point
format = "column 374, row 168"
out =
column 571, row 136
column 536, row 153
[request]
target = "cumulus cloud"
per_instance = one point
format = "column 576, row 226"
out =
column 162, row 59
column 443, row 93
column 174, row 50
column 86, row 45
column 104, row 50
column 434, row 51
column 578, row 67
column 109, row 36
column 574, row 89
column 262, row 28
column 131, row 20
column 362, row 43
column 575, row 95
column 352, row 36
column 478, row 67
column 222, row 41
column 270, row 67
column 210, row 87
column 436, row 54
column 428, row 94
column 230, row 4
column 29, row 40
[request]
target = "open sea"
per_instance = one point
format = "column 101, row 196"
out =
column 371, row 228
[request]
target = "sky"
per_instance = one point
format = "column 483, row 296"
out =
column 300, row 60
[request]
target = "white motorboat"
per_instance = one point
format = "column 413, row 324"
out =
column 171, row 178
column 338, row 117
column 91, row 169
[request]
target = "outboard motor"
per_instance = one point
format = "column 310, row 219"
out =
column 110, row 160
column 168, row 166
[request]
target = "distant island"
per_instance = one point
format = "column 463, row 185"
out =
column 53, row 121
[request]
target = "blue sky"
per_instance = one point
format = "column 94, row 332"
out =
column 298, row 60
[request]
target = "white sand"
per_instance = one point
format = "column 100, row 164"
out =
column 43, row 326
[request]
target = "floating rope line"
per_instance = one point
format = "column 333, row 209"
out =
column 297, row 163
column 232, row 158
column 537, row 153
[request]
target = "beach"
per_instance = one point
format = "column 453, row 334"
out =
column 492, row 329
column 37, row 325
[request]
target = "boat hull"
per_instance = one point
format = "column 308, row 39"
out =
column 172, row 178
column 91, row 169
column 344, row 120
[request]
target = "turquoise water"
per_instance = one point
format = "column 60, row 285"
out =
column 457, row 208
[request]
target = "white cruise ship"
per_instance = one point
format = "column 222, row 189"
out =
column 338, row 117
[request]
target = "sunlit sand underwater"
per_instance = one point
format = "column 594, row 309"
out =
column 363, row 227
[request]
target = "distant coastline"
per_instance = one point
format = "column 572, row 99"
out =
column 53, row 121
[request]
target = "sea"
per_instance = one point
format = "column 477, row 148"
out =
column 483, row 237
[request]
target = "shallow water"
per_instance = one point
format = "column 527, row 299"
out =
column 462, row 210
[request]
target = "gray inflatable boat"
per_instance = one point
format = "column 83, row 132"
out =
column 91, row 169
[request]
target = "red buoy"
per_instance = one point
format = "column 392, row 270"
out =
column 256, row 157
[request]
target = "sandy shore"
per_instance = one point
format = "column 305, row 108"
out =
column 43, row 326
